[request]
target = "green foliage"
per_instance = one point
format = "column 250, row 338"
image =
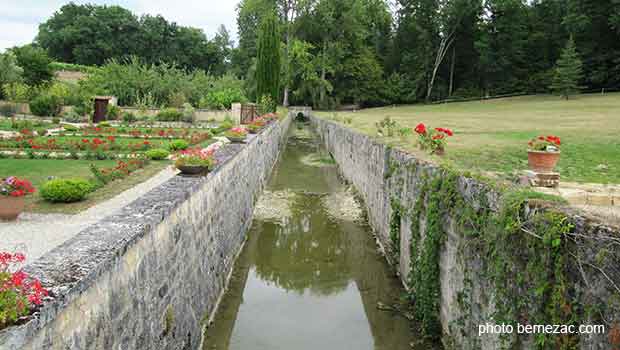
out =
column 66, row 190
column 189, row 113
column 129, row 117
column 36, row 64
column 222, row 99
column 268, row 59
column 46, row 105
column 10, row 71
column 395, row 219
column 178, row 145
column 16, row 92
column 169, row 115
column 568, row 71
column 157, row 154
column 113, row 112
column 92, row 34
column 524, row 256
column 266, row 105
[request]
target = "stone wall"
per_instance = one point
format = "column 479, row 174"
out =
column 150, row 277
column 391, row 183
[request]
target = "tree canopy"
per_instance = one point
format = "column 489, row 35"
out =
column 91, row 35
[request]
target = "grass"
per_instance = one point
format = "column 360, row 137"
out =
column 491, row 136
column 39, row 170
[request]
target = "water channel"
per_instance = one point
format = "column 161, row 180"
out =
column 310, row 275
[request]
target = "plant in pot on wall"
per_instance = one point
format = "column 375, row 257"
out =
column 434, row 140
column 19, row 293
column 236, row 134
column 543, row 153
column 12, row 193
column 196, row 161
column 256, row 125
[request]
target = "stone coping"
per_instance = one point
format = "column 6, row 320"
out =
column 74, row 266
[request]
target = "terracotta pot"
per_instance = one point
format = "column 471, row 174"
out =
column 542, row 162
column 10, row 207
column 439, row 152
column 236, row 139
column 193, row 169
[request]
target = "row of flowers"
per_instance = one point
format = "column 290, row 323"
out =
column 108, row 143
column 135, row 133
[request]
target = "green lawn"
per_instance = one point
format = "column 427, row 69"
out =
column 39, row 170
column 491, row 136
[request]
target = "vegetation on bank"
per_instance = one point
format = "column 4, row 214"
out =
column 492, row 135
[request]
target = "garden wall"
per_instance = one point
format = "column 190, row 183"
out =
column 473, row 253
column 149, row 277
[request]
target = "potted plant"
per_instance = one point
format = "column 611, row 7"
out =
column 434, row 140
column 194, row 161
column 256, row 125
column 20, row 293
column 236, row 134
column 12, row 193
column 543, row 153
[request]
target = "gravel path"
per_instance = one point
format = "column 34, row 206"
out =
column 36, row 234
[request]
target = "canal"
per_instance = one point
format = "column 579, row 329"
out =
column 310, row 275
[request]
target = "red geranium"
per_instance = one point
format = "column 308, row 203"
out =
column 15, row 187
column 18, row 291
column 420, row 129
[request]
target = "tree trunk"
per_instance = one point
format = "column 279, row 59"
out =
column 452, row 72
column 444, row 45
column 323, row 74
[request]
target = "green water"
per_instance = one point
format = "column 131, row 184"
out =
column 308, row 278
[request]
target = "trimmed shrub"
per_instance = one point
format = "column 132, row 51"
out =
column 169, row 115
column 129, row 117
column 178, row 145
column 66, row 190
column 113, row 112
column 45, row 105
column 157, row 154
column 189, row 113
column 69, row 127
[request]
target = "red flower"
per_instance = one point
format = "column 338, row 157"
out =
column 111, row 138
column 438, row 137
column 85, row 140
column 420, row 128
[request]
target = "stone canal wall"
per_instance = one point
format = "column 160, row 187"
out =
column 472, row 253
column 149, row 277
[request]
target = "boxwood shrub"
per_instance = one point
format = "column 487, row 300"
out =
column 157, row 154
column 66, row 190
column 178, row 145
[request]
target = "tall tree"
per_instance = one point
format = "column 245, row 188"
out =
column 10, row 72
column 268, row 59
column 568, row 71
column 36, row 64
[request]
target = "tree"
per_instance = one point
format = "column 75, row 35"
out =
column 568, row 71
column 268, row 59
column 36, row 64
column 10, row 72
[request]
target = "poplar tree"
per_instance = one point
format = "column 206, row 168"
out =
column 568, row 71
column 268, row 59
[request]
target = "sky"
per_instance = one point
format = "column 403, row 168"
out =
column 20, row 19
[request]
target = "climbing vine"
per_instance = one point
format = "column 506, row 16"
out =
column 523, row 248
column 395, row 230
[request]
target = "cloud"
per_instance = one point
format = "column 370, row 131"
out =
column 20, row 19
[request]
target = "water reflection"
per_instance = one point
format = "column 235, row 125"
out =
column 312, row 281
